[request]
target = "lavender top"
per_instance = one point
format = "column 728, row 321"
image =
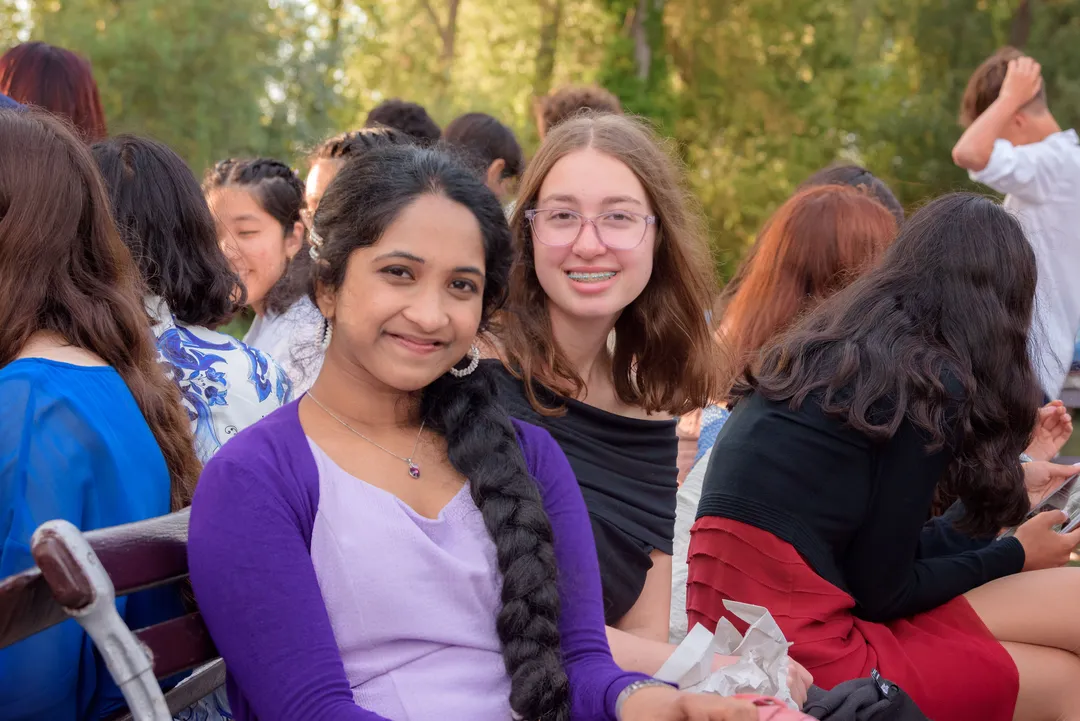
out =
column 425, row 645
column 313, row 630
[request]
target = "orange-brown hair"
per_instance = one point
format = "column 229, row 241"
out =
column 985, row 84
column 565, row 103
column 814, row 245
column 64, row 269
column 664, row 358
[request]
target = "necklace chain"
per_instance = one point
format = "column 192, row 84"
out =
column 414, row 469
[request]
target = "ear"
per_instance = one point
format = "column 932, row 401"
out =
column 294, row 239
column 494, row 175
column 326, row 299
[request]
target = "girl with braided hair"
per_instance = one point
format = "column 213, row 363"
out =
column 332, row 154
column 257, row 205
column 395, row 546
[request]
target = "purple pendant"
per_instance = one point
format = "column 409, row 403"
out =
column 414, row 470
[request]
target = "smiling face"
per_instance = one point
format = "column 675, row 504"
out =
column 586, row 279
column 256, row 245
column 410, row 305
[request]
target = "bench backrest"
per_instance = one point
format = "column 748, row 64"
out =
column 133, row 557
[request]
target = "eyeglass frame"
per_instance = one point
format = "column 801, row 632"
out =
column 530, row 215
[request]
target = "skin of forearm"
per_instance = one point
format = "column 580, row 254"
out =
column 972, row 151
column 643, row 655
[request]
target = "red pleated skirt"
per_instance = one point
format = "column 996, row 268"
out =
column 945, row 659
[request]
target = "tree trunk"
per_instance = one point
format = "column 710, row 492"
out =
column 336, row 8
column 550, row 20
column 1020, row 29
column 447, row 35
column 640, row 35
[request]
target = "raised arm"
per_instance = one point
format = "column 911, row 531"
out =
column 1022, row 81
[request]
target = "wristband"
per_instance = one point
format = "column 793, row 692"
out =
column 631, row 689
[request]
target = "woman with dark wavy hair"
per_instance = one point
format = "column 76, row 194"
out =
column 395, row 546
column 57, row 80
column 91, row 429
column 914, row 376
column 163, row 218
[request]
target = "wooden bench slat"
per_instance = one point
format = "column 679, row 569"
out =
column 179, row 644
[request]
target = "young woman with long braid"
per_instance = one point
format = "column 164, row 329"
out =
column 395, row 546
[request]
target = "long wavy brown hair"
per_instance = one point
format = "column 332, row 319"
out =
column 64, row 269
column 816, row 243
column 664, row 358
column 936, row 334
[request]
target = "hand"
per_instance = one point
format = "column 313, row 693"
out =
column 1041, row 477
column 799, row 680
column 1052, row 430
column 1043, row 546
column 1023, row 79
column 658, row 703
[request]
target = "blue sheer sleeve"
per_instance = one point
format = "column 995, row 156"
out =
column 44, row 474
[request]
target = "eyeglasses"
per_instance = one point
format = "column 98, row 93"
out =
column 616, row 229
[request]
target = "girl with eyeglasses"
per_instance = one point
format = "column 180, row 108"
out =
column 604, row 341
column 392, row 546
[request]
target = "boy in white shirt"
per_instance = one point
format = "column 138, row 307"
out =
column 1013, row 144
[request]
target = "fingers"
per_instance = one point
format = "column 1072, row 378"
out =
column 1058, row 471
column 1072, row 538
column 1049, row 519
column 1025, row 66
column 799, row 682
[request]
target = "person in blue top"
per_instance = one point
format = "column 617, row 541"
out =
column 91, row 428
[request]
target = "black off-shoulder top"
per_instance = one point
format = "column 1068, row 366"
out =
column 626, row 468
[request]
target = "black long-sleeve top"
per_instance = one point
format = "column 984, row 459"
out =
column 855, row 508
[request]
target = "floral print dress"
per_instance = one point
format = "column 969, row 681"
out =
column 225, row 384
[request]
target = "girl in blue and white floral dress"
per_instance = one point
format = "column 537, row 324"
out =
column 163, row 217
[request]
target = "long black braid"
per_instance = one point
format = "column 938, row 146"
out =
column 361, row 202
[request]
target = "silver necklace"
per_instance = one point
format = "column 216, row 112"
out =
column 414, row 469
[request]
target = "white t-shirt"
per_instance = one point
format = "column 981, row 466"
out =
column 1042, row 185
column 294, row 340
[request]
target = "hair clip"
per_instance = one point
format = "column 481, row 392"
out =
column 316, row 244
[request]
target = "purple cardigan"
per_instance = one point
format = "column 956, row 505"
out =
column 249, row 551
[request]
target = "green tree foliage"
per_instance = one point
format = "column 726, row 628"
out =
column 757, row 94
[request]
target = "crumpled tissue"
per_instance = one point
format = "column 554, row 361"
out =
column 763, row 663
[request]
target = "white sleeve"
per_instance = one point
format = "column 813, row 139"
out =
column 1026, row 171
column 685, row 514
